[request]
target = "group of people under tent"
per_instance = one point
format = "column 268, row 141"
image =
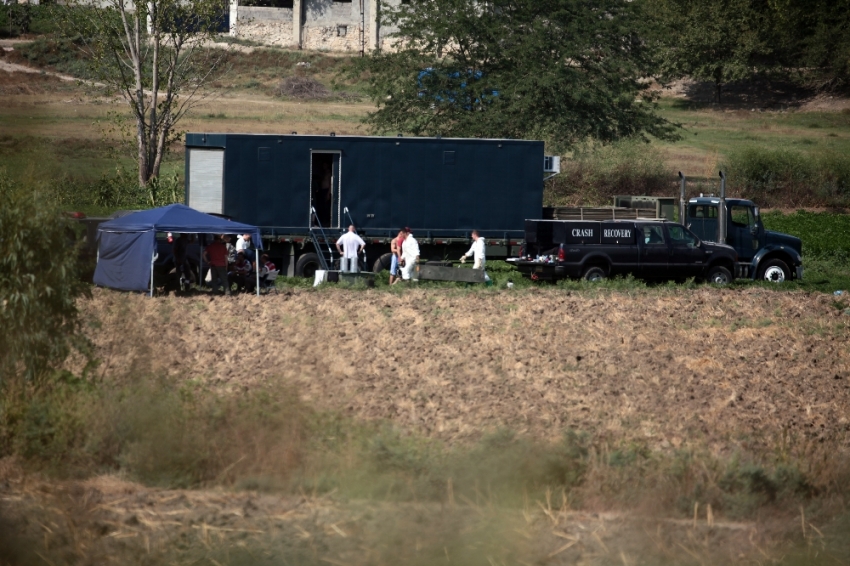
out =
column 231, row 264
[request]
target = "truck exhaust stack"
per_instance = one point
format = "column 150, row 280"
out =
column 721, row 213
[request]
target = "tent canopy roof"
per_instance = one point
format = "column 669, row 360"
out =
column 179, row 218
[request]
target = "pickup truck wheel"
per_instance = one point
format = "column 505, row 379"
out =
column 594, row 273
column 382, row 263
column 719, row 275
column 775, row 271
column 307, row 265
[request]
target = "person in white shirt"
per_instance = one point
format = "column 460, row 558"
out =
column 243, row 244
column 349, row 245
column 477, row 252
column 409, row 255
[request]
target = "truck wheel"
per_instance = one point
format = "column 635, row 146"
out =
column 594, row 273
column 719, row 275
column 307, row 265
column 382, row 263
column 775, row 271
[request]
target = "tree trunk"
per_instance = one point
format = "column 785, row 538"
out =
column 718, row 85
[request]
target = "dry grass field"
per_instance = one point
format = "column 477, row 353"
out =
column 706, row 380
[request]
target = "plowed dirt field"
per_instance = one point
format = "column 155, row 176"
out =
column 669, row 366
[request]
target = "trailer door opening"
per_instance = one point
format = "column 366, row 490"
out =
column 325, row 188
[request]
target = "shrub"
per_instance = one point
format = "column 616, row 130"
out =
column 39, row 283
column 786, row 178
column 595, row 176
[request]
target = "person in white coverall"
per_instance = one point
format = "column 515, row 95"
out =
column 409, row 255
column 479, row 255
column 351, row 245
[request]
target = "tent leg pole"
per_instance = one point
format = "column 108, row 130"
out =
column 153, row 258
column 201, row 264
column 257, row 269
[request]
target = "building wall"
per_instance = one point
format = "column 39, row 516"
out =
column 271, row 26
column 325, row 25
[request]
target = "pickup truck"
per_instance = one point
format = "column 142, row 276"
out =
column 649, row 249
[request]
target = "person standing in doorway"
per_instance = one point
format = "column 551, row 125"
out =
column 477, row 251
column 349, row 247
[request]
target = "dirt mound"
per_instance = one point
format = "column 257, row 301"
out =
column 15, row 81
column 668, row 367
column 306, row 88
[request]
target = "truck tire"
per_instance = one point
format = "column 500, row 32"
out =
column 775, row 271
column 719, row 275
column 594, row 273
column 307, row 265
column 382, row 263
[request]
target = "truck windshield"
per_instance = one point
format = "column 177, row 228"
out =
column 702, row 211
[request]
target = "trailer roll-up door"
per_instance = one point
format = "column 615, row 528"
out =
column 206, row 180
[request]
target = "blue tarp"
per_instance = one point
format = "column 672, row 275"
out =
column 127, row 245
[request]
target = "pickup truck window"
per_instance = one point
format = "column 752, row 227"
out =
column 702, row 211
column 742, row 216
column 680, row 237
column 653, row 235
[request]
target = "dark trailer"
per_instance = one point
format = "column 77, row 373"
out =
column 441, row 188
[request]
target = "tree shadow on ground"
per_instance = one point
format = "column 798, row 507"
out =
column 755, row 93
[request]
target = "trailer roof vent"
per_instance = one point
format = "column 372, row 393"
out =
column 333, row 134
column 294, row 133
column 399, row 136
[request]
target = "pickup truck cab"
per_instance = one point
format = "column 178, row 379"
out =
column 647, row 249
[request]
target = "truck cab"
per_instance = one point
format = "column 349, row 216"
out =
column 762, row 254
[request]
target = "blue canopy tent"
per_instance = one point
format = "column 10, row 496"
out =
column 127, row 245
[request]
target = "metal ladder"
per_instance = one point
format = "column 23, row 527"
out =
column 317, row 233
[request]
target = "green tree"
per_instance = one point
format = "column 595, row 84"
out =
column 39, row 284
column 712, row 40
column 154, row 54
column 814, row 36
column 566, row 71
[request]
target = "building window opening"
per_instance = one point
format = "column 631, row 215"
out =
column 341, row 31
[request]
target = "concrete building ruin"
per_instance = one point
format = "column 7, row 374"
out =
column 318, row 25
